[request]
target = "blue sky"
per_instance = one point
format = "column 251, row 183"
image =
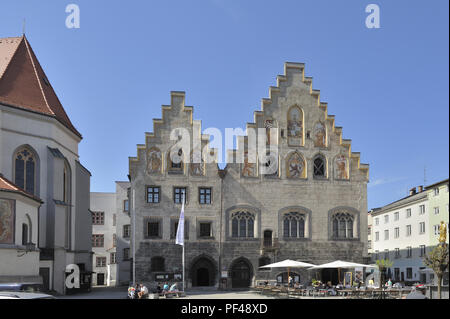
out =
column 387, row 87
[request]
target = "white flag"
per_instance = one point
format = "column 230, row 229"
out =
column 180, row 229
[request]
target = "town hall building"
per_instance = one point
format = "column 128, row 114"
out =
column 310, row 206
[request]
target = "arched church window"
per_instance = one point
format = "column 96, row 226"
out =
column 294, row 225
column 66, row 183
column 27, row 228
column 243, row 224
column 343, row 225
column 25, row 170
column 319, row 166
column 24, row 234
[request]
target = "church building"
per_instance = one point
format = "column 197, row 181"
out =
column 311, row 205
column 45, row 221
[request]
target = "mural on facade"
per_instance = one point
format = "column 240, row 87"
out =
column 197, row 164
column 295, row 126
column 249, row 169
column 154, row 160
column 6, row 221
column 341, row 167
column 320, row 135
column 268, row 124
column 295, row 166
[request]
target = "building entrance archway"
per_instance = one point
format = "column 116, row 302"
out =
column 241, row 274
column 203, row 272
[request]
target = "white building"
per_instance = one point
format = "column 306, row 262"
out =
column 400, row 234
column 111, row 232
column 39, row 154
column 370, row 231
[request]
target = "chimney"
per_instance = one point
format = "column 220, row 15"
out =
column 412, row 191
column 420, row 189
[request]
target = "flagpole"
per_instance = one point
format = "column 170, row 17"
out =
column 134, row 239
column 184, row 280
column 180, row 238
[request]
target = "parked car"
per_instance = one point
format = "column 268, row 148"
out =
column 23, row 295
column 25, row 287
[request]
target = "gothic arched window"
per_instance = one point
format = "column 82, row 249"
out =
column 294, row 225
column 66, row 183
column 25, row 170
column 25, row 239
column 243, row 224
column 319, row 166
column 342, row 225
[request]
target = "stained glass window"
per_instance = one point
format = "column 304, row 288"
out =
column 25, row 170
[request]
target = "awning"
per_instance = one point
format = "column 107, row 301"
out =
column 288, row 264
column 342, row 264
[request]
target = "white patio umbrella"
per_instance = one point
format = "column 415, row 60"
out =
column 288, row 264
column 341, row 264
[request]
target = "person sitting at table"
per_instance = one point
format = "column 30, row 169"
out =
column 330, row 289
column 131, row 292
column 173, row 288
column 389, row 283
column 143, row 291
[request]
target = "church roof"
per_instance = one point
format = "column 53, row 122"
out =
column 8, row 186
column 23, row 83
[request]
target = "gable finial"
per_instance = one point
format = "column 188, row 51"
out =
column 23, row 27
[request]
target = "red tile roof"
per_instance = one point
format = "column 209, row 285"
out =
column 23, row 83
column 8, row 186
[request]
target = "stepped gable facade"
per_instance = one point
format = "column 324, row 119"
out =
column 311, row 206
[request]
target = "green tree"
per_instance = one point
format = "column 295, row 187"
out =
column 383, row 266
column 438, row 261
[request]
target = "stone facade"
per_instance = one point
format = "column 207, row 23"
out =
column 313, row 208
